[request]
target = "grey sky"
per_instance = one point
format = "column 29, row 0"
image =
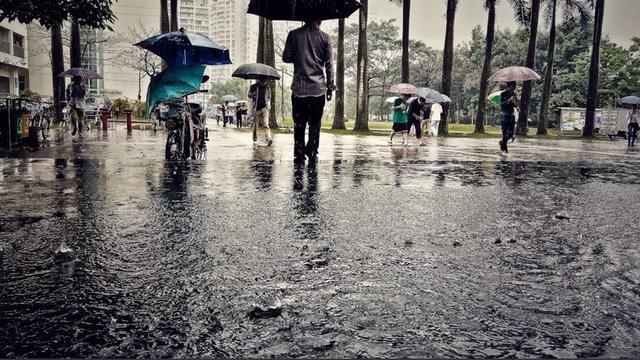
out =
column 621, row 21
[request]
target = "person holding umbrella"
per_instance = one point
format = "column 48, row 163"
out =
column 309, row 50
column 400, row 122
column 260, row 95
column 508, row 104
column 632, row 125
column 76, row 96
column 415, row 116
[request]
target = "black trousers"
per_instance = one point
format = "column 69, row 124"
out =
column 416, row 123
column 632, row 133
column 508, row 128
column 306, row 110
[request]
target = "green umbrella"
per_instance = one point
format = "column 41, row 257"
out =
column 495, row 97
column 174, row 83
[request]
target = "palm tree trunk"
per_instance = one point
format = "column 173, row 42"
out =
column 362, row 94
column 57, row 67
column 164, row 17
column 164, row 23
column 174, row 15
column 270, row 59
column 592, row 93
column 75, row 51
column 548, row 77
column 531, row 60
column 486, row 69
column 447, row 66
column 406, row 16
column 338, row 118
column 260, row 52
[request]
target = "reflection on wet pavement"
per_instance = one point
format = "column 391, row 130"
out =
column 106, row 250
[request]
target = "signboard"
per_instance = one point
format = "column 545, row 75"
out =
column 574, row 118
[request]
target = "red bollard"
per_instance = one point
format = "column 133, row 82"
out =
column 129, row 122
column 104, row 115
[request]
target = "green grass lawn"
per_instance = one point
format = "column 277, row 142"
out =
column 455, row 130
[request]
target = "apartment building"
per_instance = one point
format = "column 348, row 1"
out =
column 14, row 65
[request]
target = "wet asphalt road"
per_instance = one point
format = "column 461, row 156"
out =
column 445, row 250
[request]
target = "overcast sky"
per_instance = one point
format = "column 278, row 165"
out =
column 621, row 22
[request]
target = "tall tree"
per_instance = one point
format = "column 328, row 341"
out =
column 570, row 8
column 406, row 18
column 164, row 17
column 76, row 52
column 266, row 55
column 338, row 118
column 174, row 16
column 362, row 92
column 525, row 99
column 57, row 67
column 490, row 5
column 594, row 69
column 51, row 14
column 447, row 63
column 270, row 59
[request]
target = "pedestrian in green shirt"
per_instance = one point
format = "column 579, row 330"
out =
column 400, row 123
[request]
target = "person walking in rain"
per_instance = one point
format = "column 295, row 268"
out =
column 260, row 95
column 435, row 117
column 400, row 122
column 225, row 110
column 632, row 126
column 508, row 104
column 309, row 50
column 76, row 95
column 414, row 116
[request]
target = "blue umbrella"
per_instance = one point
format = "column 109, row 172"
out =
column 186, row 48
column 174, row 83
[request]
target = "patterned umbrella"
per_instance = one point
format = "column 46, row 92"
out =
column 403, row 89
column 85, row 73
column 186, row 48
column 256, row 71
column 302, row 10
column 514, row 73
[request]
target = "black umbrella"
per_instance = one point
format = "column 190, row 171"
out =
column 256, row 71
column 303, row 10
column 85, row 73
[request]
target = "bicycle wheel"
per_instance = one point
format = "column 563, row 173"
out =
column 174, row 144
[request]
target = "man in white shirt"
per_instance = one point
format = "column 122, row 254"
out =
column 436, row 116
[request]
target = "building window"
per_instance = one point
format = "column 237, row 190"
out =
column 18, row 45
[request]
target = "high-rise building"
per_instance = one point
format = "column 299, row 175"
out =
column 193, row 15
column 231, row 27
column 14, row 65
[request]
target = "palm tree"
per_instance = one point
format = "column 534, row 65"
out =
column 164, row 17
column 447, row 66
column 174, row 16
column 74, row 48
column 490, row 5
column 266, row 55
column 570, row 7
column 57, row 67
column 362, row 94
column 592, row 92
column 338, row 118
column 525, row 99
column 406, row 16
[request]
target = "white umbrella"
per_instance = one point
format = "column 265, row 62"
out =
column 514, row 73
